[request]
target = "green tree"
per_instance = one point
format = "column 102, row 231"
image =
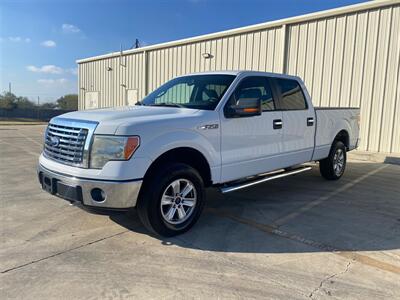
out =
column 24, row 103
column 49, row 105
column 69, row 102
column 8, row 100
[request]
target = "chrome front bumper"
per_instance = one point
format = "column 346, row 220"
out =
column 116, row 194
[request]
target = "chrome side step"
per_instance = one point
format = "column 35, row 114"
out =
column 268, row 177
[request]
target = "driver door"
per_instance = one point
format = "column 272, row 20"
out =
column 251, row 145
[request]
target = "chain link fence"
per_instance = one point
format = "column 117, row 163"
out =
column 33, row 114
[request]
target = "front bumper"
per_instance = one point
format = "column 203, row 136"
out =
column 115, row 195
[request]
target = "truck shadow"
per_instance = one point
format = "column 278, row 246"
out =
column 304, row 213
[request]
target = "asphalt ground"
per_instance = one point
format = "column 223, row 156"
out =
column 300, row 237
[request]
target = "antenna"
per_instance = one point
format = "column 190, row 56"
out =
column 136, row 44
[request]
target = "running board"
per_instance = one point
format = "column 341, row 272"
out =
column 268, row 177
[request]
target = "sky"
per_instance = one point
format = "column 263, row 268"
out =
column 41, row 40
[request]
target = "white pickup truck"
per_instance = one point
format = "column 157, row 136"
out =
column 229, row 130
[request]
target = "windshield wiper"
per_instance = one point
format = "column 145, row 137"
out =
column 167, row 104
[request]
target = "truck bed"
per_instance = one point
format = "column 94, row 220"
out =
column 329, row 122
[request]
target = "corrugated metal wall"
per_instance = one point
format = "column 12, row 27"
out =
column 346, row 59
column 237, row 52
column 112, row 77
column 353, row 60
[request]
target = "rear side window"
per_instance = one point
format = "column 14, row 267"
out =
column 292, row 97
column 252, row 88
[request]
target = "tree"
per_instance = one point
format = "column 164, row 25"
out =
column 49, row 105
column 10, row 101
column 7, row 101
column 24, row 103
column 69, row 102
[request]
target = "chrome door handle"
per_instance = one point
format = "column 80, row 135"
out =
column 277, row 124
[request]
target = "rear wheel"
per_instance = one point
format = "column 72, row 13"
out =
column 332, row 167
column 171, row 200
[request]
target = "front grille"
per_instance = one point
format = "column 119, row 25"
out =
column 65, row 144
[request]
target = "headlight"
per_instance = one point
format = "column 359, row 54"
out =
column 111, row 147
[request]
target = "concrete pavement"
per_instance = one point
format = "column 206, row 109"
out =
column 297, row 238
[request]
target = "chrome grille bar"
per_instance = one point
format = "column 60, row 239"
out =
column 77, row 153
column 67, row 146
column 67, row 135
column 68, row 141
column 64, row 129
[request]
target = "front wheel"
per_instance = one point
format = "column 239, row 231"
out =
column 332, row 167
column 171, row 200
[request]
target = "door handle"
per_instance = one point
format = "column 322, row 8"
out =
column 277, row 124
column 310, row 121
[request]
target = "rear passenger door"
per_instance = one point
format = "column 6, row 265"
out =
column 298, row 122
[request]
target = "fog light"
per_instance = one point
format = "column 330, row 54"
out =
column 98, row 195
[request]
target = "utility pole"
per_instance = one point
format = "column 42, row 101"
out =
column 9, row 87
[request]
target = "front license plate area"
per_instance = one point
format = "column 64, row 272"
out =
column 49, row 184
column 72, row 193
column 56, row 187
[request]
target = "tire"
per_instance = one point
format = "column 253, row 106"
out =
column 168, row 183
column 333, row 167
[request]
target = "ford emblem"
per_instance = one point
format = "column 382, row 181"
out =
column 54, row 141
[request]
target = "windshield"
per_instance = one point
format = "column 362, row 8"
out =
column 198, row 92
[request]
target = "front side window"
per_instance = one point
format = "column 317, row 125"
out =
column 292, row 97
column 211, row 91
column 198, row 92
column 251, row 89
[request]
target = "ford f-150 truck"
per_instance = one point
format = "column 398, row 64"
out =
column 229, row 130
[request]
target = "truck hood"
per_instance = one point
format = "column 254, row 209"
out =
column 110, row 119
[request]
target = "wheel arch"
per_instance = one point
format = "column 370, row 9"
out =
column 343, row 136
column 186, row 155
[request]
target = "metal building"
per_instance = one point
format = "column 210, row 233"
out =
column 348, row 56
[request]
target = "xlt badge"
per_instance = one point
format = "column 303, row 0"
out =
column 209, row 126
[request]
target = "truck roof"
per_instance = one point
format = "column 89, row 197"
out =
column 244, row 72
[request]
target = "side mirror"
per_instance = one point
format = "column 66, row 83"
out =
column 244, row 108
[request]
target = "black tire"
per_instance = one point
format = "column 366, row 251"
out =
column 328, row 167
column 149, row 206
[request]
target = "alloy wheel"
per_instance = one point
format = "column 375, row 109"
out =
column 178, row 201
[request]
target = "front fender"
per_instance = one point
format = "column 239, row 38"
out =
column 157, row 145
